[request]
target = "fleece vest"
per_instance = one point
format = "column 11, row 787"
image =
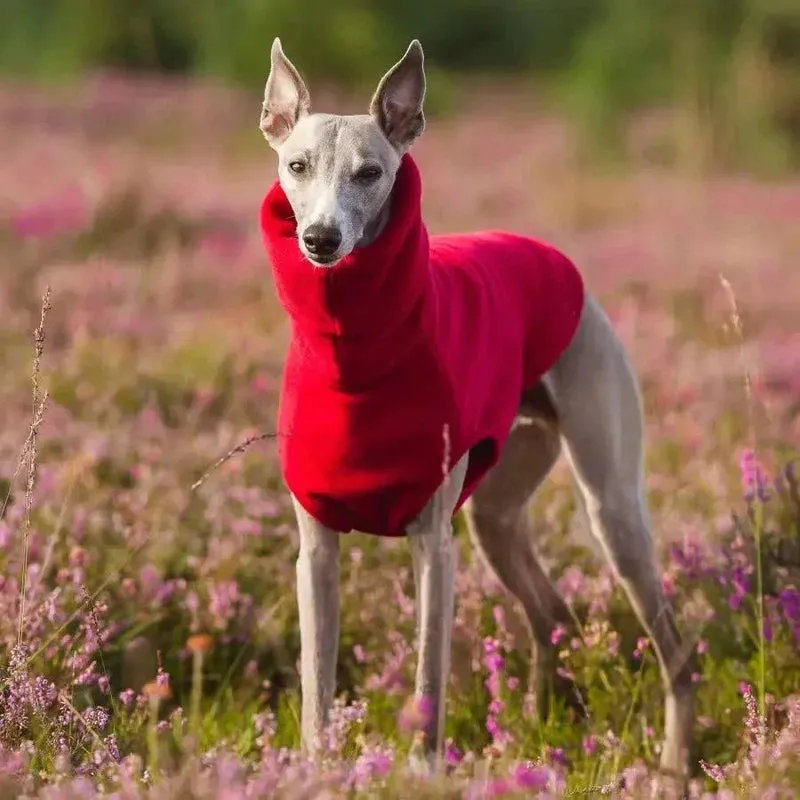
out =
column 405, row 355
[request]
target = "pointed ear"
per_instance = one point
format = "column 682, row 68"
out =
column 397, row 103
column 286, row 98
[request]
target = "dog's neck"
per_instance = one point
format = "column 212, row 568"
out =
column 356, row 319
column 374, row 228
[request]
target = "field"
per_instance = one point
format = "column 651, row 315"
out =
column 148, row 634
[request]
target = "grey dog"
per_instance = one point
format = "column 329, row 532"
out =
column 588, row 406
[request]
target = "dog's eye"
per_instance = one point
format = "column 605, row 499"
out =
column 370, row 173
column 298, row 167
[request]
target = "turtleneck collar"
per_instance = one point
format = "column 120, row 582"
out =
column 354, row 320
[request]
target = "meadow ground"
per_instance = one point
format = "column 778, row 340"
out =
column 148, row 635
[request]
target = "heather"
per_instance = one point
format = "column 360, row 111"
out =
column 148, row 629
column 728, row 70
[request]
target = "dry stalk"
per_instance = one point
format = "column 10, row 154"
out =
column 30, row 450
column 240, row 448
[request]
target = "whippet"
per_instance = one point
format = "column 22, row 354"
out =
column 338, row 175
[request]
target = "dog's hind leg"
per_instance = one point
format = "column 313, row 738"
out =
column 318, row 607
column 499, row 526
column 430, row 537
column 596, row 396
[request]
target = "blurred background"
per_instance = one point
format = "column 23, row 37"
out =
column 729, row 69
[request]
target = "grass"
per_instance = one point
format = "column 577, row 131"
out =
column 148, row 632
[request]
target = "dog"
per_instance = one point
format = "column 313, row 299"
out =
column 426, row 374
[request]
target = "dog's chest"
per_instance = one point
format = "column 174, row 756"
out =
column 362, row 459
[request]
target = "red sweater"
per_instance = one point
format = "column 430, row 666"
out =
column 402, row 340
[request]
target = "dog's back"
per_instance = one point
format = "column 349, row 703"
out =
column 505, row 298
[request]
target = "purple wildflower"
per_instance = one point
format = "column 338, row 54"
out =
column 754, row 479
column 531, row 776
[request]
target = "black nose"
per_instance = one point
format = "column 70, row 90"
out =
column 321, row 240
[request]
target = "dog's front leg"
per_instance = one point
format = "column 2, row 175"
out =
column 433, row 556
column 318, row 606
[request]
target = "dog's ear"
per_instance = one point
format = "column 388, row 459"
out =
column 286, row 98
column 397, row 103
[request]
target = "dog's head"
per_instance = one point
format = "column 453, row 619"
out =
column 338, row 171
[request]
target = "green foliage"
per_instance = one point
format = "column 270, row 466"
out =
column 731, row 66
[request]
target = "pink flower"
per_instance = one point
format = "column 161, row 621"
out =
column 557, row 634
column 589, row 744
column 127, row 697
column 572, row 583
column 262, row 384
column 668, row 585
column 529, row 776
column 754, row 479
column 67, row 214
column 416, row 714
column 556, row 755
column 452, row 754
